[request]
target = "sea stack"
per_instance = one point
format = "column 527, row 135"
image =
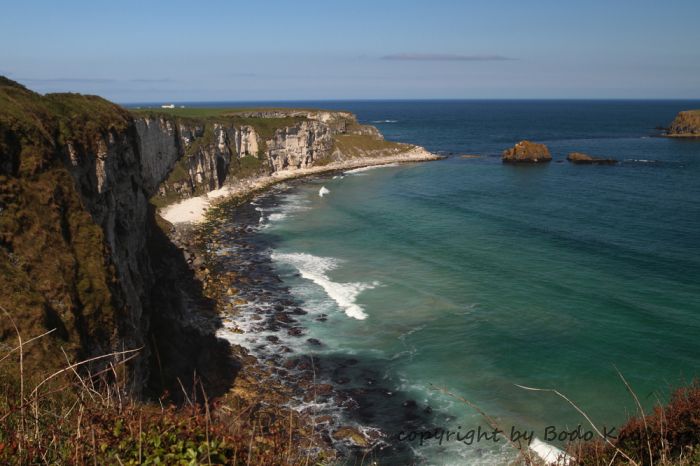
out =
column 526, row 152
column 686, row 124
column 580, row 158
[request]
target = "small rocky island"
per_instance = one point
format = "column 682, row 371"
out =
column 686, row 124
column 579, row 158
column 527, row 152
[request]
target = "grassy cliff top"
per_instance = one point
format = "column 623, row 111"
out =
column 215, row 112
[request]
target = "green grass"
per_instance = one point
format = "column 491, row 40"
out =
column 246, row 167
column 357, row 145
column 212, row 112
column 266, row 127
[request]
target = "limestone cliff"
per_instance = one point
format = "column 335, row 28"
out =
column 196, row 155
column 686, row 124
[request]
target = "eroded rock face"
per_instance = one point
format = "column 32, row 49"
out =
column 247, row 141
column 580, row 158
column 299, row 146
column 159, row 142
column 527, row 152
column 686, row 124
column 194, row 158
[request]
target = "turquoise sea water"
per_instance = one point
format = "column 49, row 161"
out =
column 475, row 276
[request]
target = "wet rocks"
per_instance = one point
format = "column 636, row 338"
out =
column 351, row 435
column 579, row 158
column 526, row 152
column 409, row 404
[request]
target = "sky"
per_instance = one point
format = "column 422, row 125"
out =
column 177, row 51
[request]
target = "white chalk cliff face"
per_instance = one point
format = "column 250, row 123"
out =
column 183, row 159
column 299, row 146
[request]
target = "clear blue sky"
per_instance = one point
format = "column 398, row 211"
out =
column 148, row 50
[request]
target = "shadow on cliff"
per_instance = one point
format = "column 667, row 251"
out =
column 186, row 357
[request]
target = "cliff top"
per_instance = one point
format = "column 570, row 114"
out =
column 250, row 112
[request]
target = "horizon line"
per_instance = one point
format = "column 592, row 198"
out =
column 418, row 99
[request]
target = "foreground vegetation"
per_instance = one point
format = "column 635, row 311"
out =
column 71, row 416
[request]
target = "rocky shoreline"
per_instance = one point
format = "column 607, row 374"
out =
column 334, row 398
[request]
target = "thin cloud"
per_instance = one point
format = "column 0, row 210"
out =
column 67, row 80
column 151, row 80
column 93, row 80
column 443, row 57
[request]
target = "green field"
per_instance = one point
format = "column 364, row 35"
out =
column 212, row 112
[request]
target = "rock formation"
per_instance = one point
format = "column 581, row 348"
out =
column 526, row 152
column 686, row 124
column 585, row 159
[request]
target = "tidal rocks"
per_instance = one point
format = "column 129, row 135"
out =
column 585, row 159
column 351, row 435
column 526, row 152
column 686, row 124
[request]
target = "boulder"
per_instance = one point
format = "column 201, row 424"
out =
column 580, row 158
column 352, row 435
column 526, row 152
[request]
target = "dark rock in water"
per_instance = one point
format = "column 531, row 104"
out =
column 299, row 311
column 342, row 380
column 409, row 404
column 272, row 339
column 285, row 318
column 527, row 152
column 295, row 331
column 351, row 361
column 314, row 342
column 579, row 158
column 370, row 381
column 428, row 410
column 351, row 435
column 324, row 389
column 278, row 307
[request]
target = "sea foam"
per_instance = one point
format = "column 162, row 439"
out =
column 315, row 268
column 323, row 191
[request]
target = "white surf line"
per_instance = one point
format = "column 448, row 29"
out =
column 315, row 268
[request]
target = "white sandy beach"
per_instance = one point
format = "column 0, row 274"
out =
column 193, row 210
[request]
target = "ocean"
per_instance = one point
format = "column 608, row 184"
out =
column 456, row 282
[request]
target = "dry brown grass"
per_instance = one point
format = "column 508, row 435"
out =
column 75, row 416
